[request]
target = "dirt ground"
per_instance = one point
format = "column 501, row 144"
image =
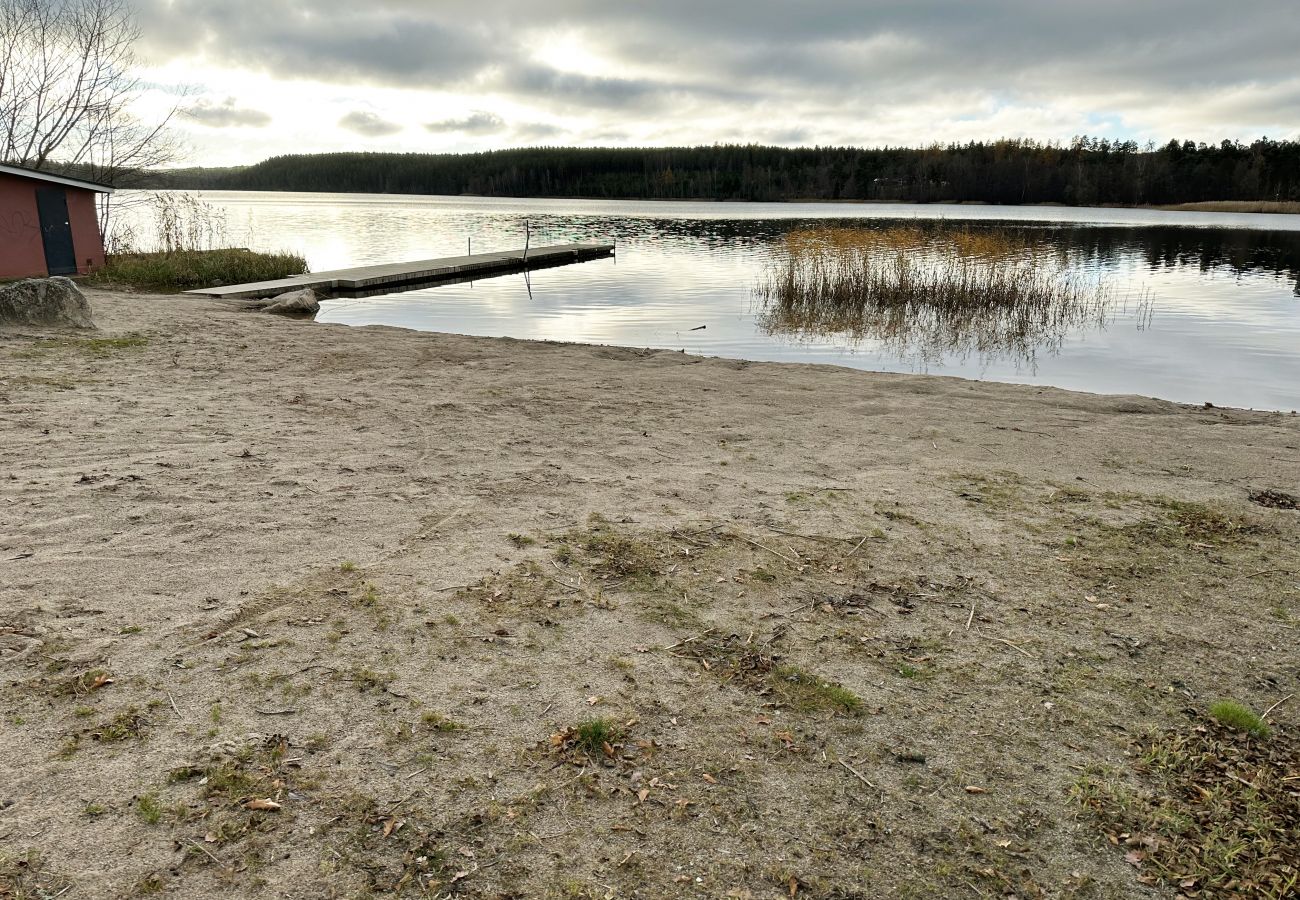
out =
column 303, row 610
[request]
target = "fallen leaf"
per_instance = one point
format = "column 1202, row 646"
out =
column 264, row 805
column 709, row 778
column 592, row 701
column 642, row 794
column 1135, row 857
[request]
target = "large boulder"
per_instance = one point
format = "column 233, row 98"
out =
column 302, row 302
column 51, row 302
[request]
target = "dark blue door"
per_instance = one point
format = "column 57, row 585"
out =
column 56, row 231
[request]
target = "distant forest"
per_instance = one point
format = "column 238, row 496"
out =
column 1087, row 172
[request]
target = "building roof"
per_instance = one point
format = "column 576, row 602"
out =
column 56, row 179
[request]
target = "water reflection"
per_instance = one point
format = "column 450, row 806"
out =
column 1222, row 325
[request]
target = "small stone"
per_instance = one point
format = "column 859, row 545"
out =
column 302, row 302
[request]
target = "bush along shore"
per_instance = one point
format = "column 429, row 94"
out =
column 182, row 270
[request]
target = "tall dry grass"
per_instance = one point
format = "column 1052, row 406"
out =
column 930, row 291
column 176, row 241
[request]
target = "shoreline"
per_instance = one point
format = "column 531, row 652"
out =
column 1261, row 207
column 384, row 579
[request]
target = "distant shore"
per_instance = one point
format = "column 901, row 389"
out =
column 1274, row 207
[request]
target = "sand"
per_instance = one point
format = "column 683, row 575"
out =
column 852, row 634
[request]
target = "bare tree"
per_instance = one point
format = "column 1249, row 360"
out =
column 67, row 88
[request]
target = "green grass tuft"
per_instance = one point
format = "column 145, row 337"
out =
column 1239, row 717
column 593, row 734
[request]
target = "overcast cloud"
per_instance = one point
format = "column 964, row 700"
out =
column 224, row 114
column 336, row 74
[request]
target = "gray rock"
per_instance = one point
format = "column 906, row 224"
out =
column 295, row 303
column 52, row 302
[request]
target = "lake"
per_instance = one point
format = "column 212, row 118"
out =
column 1206, row 305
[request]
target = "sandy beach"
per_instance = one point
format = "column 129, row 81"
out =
column 303, row 610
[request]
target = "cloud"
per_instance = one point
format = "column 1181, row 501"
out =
column 225, row 115
column 825, row 71
column 534, row 131
column 478, row 122
column 368, row 124
column 381, row 43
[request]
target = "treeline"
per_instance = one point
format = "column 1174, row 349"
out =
column 1086, row 172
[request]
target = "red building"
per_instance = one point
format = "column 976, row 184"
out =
column 48, row 224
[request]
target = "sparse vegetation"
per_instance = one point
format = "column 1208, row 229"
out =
column 885, row 684
column 149, row 809
column 758, row 669
column 436, row 721
column 24, row 875
column 1213, row 813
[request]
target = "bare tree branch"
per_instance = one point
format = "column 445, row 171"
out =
column 67, row 88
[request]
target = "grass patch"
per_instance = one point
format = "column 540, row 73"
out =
column 149, row 808
column 98, row 347
column 123, row 726
column 592, row 738
column 611, row 553
column 436, row 721
column 1180, row 530
column 181, row 270
column 1213, row 814
column 1239, row 717
column 805, row 691
column 754, row 668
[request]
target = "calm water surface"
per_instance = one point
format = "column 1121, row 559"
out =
column 1207, row 304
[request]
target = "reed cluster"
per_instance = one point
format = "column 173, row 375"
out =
column 930, row 291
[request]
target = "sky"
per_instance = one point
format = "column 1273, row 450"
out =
column 257, row 78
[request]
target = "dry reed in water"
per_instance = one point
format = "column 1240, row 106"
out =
column 930, row 291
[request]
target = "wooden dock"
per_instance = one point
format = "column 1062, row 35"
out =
column 393, row 277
